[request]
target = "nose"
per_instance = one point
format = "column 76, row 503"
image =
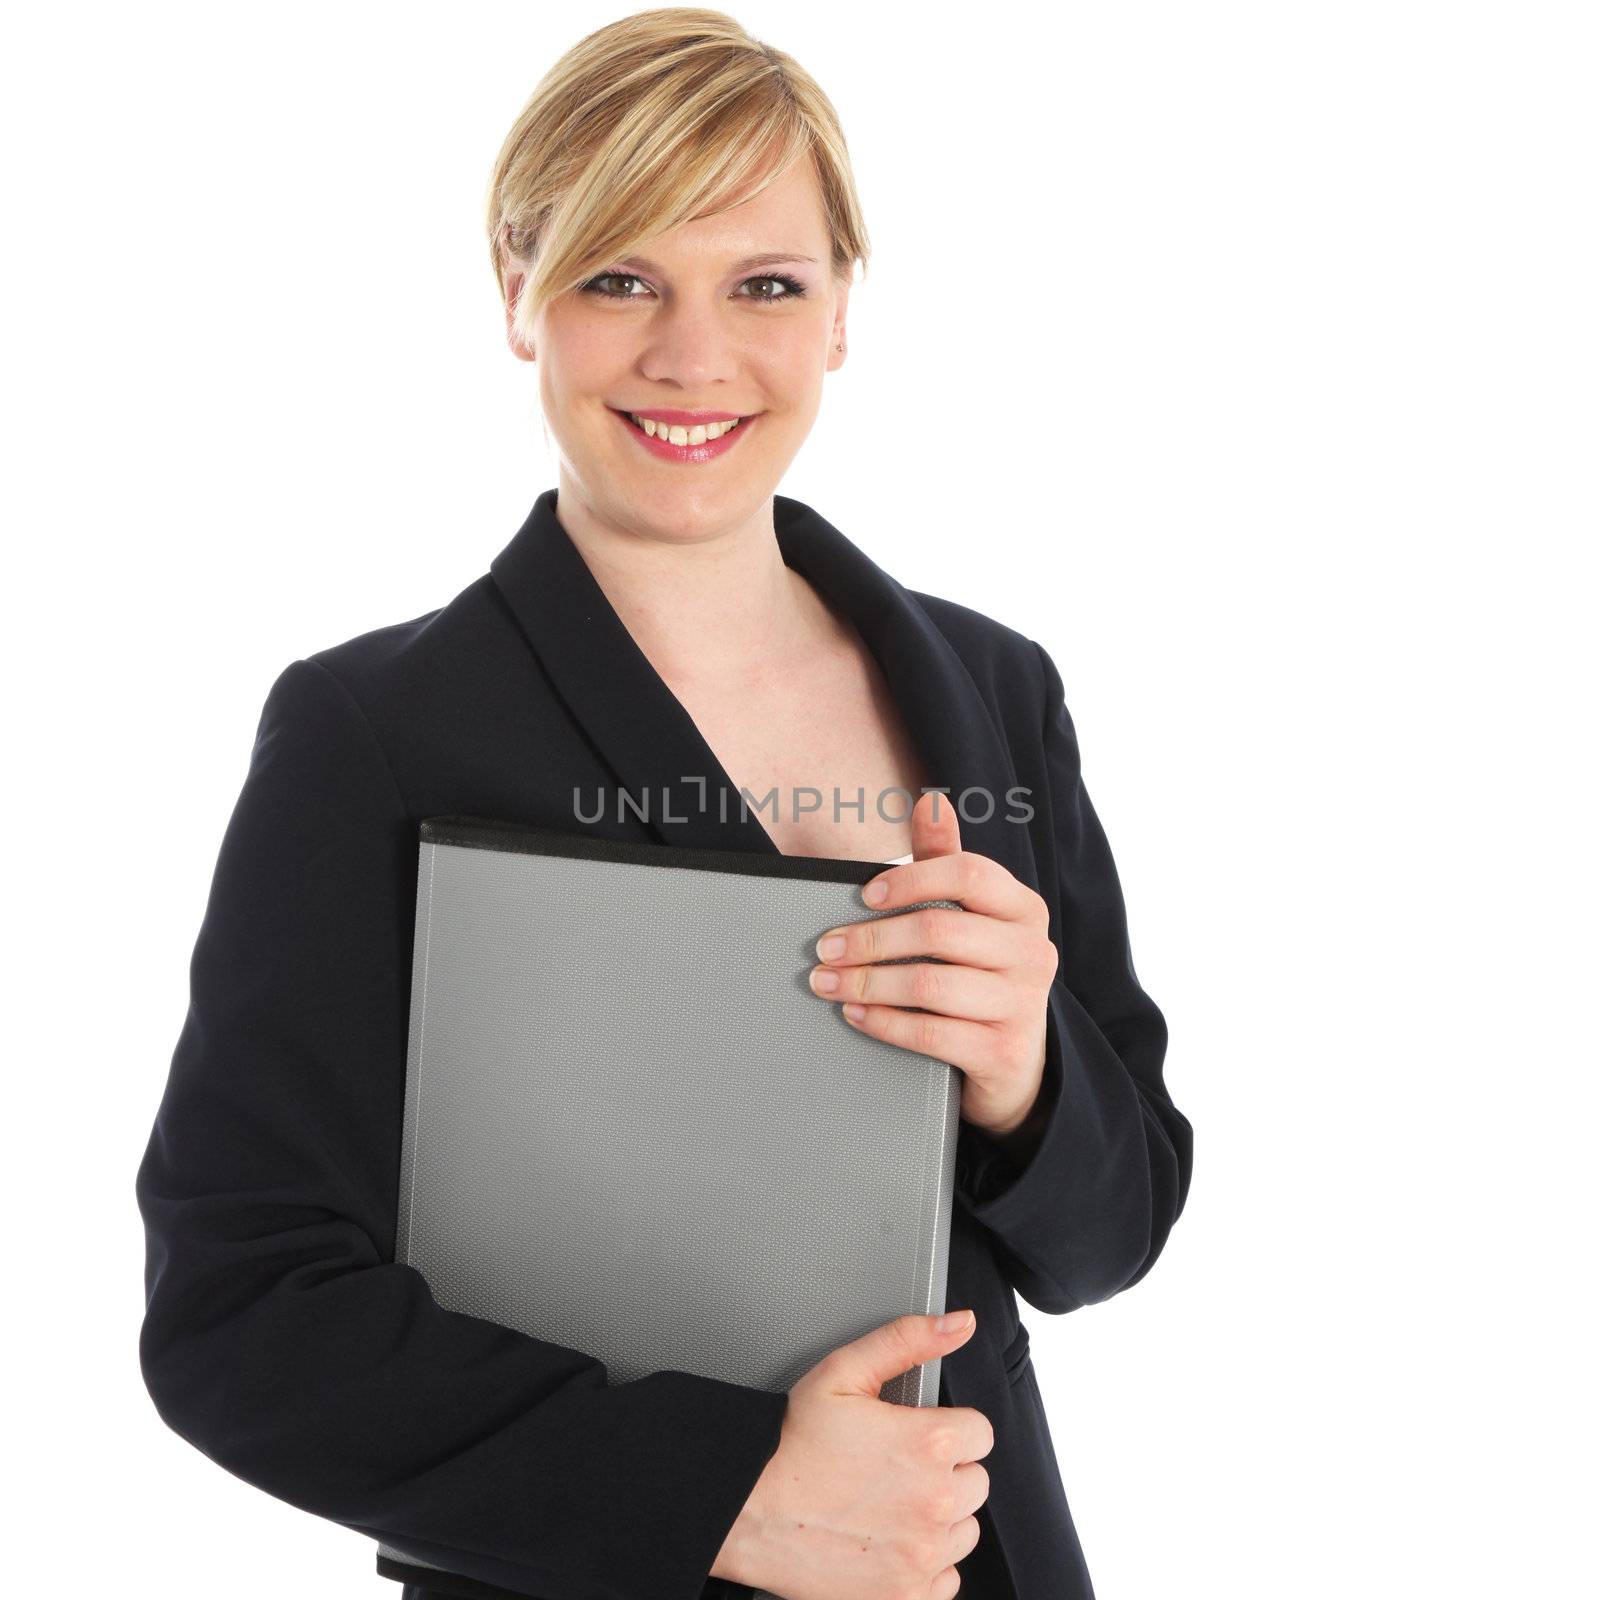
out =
column 692, row 346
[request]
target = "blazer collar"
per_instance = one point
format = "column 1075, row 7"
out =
column 648, row 738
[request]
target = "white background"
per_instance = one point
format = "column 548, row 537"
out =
column 1270, row 330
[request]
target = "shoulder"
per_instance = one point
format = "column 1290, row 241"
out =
column 378, row 690
column 405, row 671
column 1011, row 669
column 382, row 661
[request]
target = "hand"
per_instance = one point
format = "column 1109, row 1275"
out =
column 865, row 1497
column 984, row 1008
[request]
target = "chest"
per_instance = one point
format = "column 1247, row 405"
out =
column 825, row 757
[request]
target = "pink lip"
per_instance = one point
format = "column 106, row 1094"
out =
column 667, row 451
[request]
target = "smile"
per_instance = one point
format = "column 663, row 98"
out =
column 676, row 443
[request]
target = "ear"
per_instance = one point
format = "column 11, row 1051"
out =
column 838, row 345
column 515, row 275
column 520, row 350
column 524, row 352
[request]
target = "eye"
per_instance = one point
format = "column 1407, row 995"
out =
column 791, row 289
column 592, row 286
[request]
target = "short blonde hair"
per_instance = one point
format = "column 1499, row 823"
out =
column 648, row 122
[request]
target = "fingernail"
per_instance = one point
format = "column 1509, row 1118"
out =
column 830, row 945
column 875, row 891
column 952, row 1320
column 824, row 981
column 854, row 1012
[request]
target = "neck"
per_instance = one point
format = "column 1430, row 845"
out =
column 725, row 605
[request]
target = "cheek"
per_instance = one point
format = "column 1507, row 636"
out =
column 574, row 383
column 788, row 365
column 596, row 345
column 799, row 347
column 581, row 356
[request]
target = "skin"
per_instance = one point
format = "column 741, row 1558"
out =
column 688, row 555
column 986, row 1006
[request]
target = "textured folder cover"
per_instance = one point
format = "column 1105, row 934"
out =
column 631, row 1127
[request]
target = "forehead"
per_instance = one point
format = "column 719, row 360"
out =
column 785, row 221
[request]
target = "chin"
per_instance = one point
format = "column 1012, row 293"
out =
column 683, row 512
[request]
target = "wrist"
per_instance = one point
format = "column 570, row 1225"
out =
column 739, row 1558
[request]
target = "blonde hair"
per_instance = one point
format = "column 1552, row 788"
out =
column 650, row 121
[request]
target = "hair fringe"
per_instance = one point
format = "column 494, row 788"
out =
column 660, row 117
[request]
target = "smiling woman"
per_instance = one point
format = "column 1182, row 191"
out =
column 736, row 313
column 674, row 230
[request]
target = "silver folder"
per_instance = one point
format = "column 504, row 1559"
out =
column 631, row 1128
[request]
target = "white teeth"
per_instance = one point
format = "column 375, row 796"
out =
column 680, row 435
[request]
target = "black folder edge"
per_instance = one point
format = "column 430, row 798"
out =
column 493, row 833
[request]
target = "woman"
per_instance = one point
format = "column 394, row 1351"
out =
column 674, row 227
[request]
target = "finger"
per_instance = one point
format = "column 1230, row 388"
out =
column 973, row 880
column 966, row 1531
column 974, row 1433
column 965, row 1536
column 957, row 1041
column 977, row 1436
column 935, row 826
column 972, row 1485
column 950, row 990
column 969, row 937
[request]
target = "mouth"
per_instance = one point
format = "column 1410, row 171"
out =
column 677, row 442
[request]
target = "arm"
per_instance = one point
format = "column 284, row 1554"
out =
column 1081, row 1198
column 280, row 1336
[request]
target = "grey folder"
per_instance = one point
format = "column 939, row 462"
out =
column 631, row 1128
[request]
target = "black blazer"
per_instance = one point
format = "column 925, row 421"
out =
column 280, row 1336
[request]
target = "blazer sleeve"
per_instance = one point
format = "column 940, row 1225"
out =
column 1087, row 1213
column 280, row 1337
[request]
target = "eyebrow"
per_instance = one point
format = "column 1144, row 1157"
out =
column 770, row 258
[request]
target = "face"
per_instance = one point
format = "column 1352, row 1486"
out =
column 691, row 324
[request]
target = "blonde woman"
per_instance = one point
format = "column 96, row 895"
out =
column 674, row 229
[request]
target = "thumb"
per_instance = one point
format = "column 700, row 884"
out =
column 899, row 1345
column 935, row 826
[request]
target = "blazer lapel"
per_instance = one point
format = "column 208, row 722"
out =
column 649, row 740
